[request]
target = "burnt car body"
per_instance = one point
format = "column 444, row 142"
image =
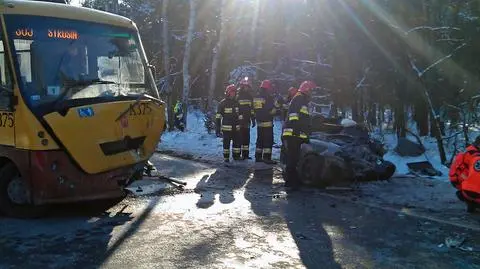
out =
column 341, row 153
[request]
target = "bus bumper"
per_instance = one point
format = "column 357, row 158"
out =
column 55, row 178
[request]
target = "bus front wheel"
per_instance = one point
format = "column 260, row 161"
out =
column 15, row 195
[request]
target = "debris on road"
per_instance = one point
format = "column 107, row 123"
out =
column 454, row 241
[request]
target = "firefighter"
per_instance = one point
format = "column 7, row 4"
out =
column 296, row 130
column 227, row 123
column 292, row 91
column 246, row 116
column 179, row 122
column 265, row 110
column 465, row 175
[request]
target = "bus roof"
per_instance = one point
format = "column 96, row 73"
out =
column 64, row 11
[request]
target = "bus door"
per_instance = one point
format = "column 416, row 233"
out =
column 7, row 116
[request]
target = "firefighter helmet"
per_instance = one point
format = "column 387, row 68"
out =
column 292, row 91
column 306, row 87
column 231, row 91
column 267, row 85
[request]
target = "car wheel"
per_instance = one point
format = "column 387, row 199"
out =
column 310, row 170
column 387, row 170
column 15, row 196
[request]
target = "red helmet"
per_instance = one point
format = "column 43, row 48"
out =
column 267, row 85
column 306, row 87
column 246, row 82
column 231, row 91
column 292, row 91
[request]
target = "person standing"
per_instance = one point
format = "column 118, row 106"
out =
column 246, row 116
column 292, row 91
column 227, row 123
column 265, row 110
column 296, row 131
column 179, row 122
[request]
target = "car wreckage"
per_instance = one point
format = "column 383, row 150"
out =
column 341, row 153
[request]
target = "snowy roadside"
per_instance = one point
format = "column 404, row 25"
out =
column 196, row 142
column 431, row 155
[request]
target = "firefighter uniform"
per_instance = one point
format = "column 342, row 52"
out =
column 465, row 176
column 296, row 131
column 179, row 122
column 246, row 117
column 292, row 91
column 264, row 106
column 227, row 122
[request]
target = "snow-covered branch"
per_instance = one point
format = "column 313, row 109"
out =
column 450, row 40
column 430, row 28
column 312, row 62
column 439, row 61
column 360, row 83
column 259, row 68
column 414, row 67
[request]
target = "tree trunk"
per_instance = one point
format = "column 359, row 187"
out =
column 372, row 114
column 435, row 119
column 355, row 111
column 186, row 57
column 421, row 117
column 166, row 65
column 216, row 55
column 400, row 120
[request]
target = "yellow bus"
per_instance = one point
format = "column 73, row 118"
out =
column 79, row 109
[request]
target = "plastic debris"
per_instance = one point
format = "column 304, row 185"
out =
column 469, row 249
column 454, row 241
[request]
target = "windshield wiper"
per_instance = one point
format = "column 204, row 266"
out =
column 79, row 83
column 137, row 101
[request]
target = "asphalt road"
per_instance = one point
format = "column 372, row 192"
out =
column 238, row 217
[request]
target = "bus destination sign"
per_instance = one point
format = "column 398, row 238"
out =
column 63, row 34
column 56, row 34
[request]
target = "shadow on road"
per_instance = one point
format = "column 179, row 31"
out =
column 259, row 184
column 221, row 183
column 74, row 236
column 314, row 246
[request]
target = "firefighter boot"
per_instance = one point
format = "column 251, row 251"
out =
column 226, row 155
column 236, row 153
column 258, row 155
column 471, row 207
column 245, row 152
column 267, row 156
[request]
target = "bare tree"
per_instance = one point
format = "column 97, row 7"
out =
column 186, row 56
column 216, row 55
column 167, row 89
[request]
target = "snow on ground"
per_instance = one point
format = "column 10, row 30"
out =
column 431, row 155
column 195, row 141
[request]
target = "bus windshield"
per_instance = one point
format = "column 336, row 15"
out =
column 66, row 60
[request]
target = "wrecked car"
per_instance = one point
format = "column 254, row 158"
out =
column 341, row 153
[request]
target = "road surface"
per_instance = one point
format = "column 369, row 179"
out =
column 240, row 217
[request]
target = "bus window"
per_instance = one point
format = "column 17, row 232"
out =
column 5, row 79
column 24, row 59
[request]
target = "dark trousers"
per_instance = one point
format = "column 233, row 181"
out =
column 228, row 138
column 244, row 138
column 292, row 145
column 178, row 123
column 264, row 143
